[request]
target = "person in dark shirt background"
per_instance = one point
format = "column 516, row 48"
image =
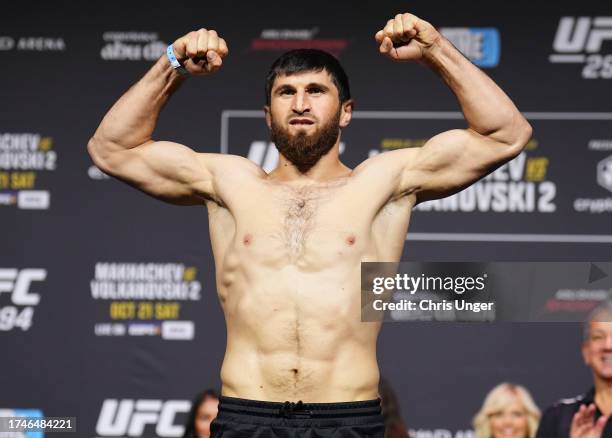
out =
column 586, row 416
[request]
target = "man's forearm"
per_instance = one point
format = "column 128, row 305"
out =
column 487, row 109
column 132, row 119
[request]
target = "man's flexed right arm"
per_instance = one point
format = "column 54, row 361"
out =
column 122, row 145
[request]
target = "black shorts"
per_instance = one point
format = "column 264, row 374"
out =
column 240, row 418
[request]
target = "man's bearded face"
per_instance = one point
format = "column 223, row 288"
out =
column 302, row 143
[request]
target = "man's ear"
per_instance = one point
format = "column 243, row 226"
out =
column 346, row 112
column 585, row 353
column 266, row 109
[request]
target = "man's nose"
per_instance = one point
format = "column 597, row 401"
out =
column 301, row 103
column 608, row 343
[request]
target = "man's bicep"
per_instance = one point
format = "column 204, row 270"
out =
column 165, row 170
column 452, row 161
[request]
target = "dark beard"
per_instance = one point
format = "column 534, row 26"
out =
column 303, row 150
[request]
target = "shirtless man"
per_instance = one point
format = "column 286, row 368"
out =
column 288, row 245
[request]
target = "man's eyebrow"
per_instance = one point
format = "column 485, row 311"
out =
column 317, row 85
column 284, row 87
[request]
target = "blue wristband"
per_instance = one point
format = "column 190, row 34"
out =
column 175, row 62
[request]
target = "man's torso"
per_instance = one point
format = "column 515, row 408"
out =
column 288, row 258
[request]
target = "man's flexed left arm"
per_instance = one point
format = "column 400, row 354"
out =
column 452, row 160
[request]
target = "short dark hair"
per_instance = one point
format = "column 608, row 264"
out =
column 602, row 310
column 303, row 60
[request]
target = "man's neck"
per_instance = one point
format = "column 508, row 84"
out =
column 603, row 395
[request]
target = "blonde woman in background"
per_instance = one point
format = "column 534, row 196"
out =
column 508, row 411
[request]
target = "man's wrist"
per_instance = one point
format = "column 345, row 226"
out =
column 444, row 57
column 174, row 62
column 432, row 53
column 164, row 69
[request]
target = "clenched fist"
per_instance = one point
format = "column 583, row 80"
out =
column 200, row 52
column 406, row 38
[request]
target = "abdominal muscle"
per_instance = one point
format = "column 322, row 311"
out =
column 294, row 332
column 289, row 284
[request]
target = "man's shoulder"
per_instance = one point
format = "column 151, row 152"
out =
column 569, row 404
column 385, row 167
column 579, row 399
column 228, row 164
column 396, row 156
column 557, row 418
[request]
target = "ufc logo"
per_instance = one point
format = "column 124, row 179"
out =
column 130, row 417
column 582, row 34
column 18, row 282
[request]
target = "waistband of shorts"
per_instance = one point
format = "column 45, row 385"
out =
column 299, row 409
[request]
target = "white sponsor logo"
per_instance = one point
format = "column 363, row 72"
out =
column 265, row 154
column 600, row 145
column 583, row 294
column 580, row 40
column 18, row 283
column 604, row 173
column 468, row 43
column 130, row 417
column 143, row 329
column 604, row 179
column 480, row 44
column 289, row 34
column 109, row 329
column 132, row 46
column 598, row 205
column 34, row 199
column 288, row 39
column 178, row 330
column 33, row 44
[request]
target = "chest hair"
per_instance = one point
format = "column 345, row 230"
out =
column 299, row 221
